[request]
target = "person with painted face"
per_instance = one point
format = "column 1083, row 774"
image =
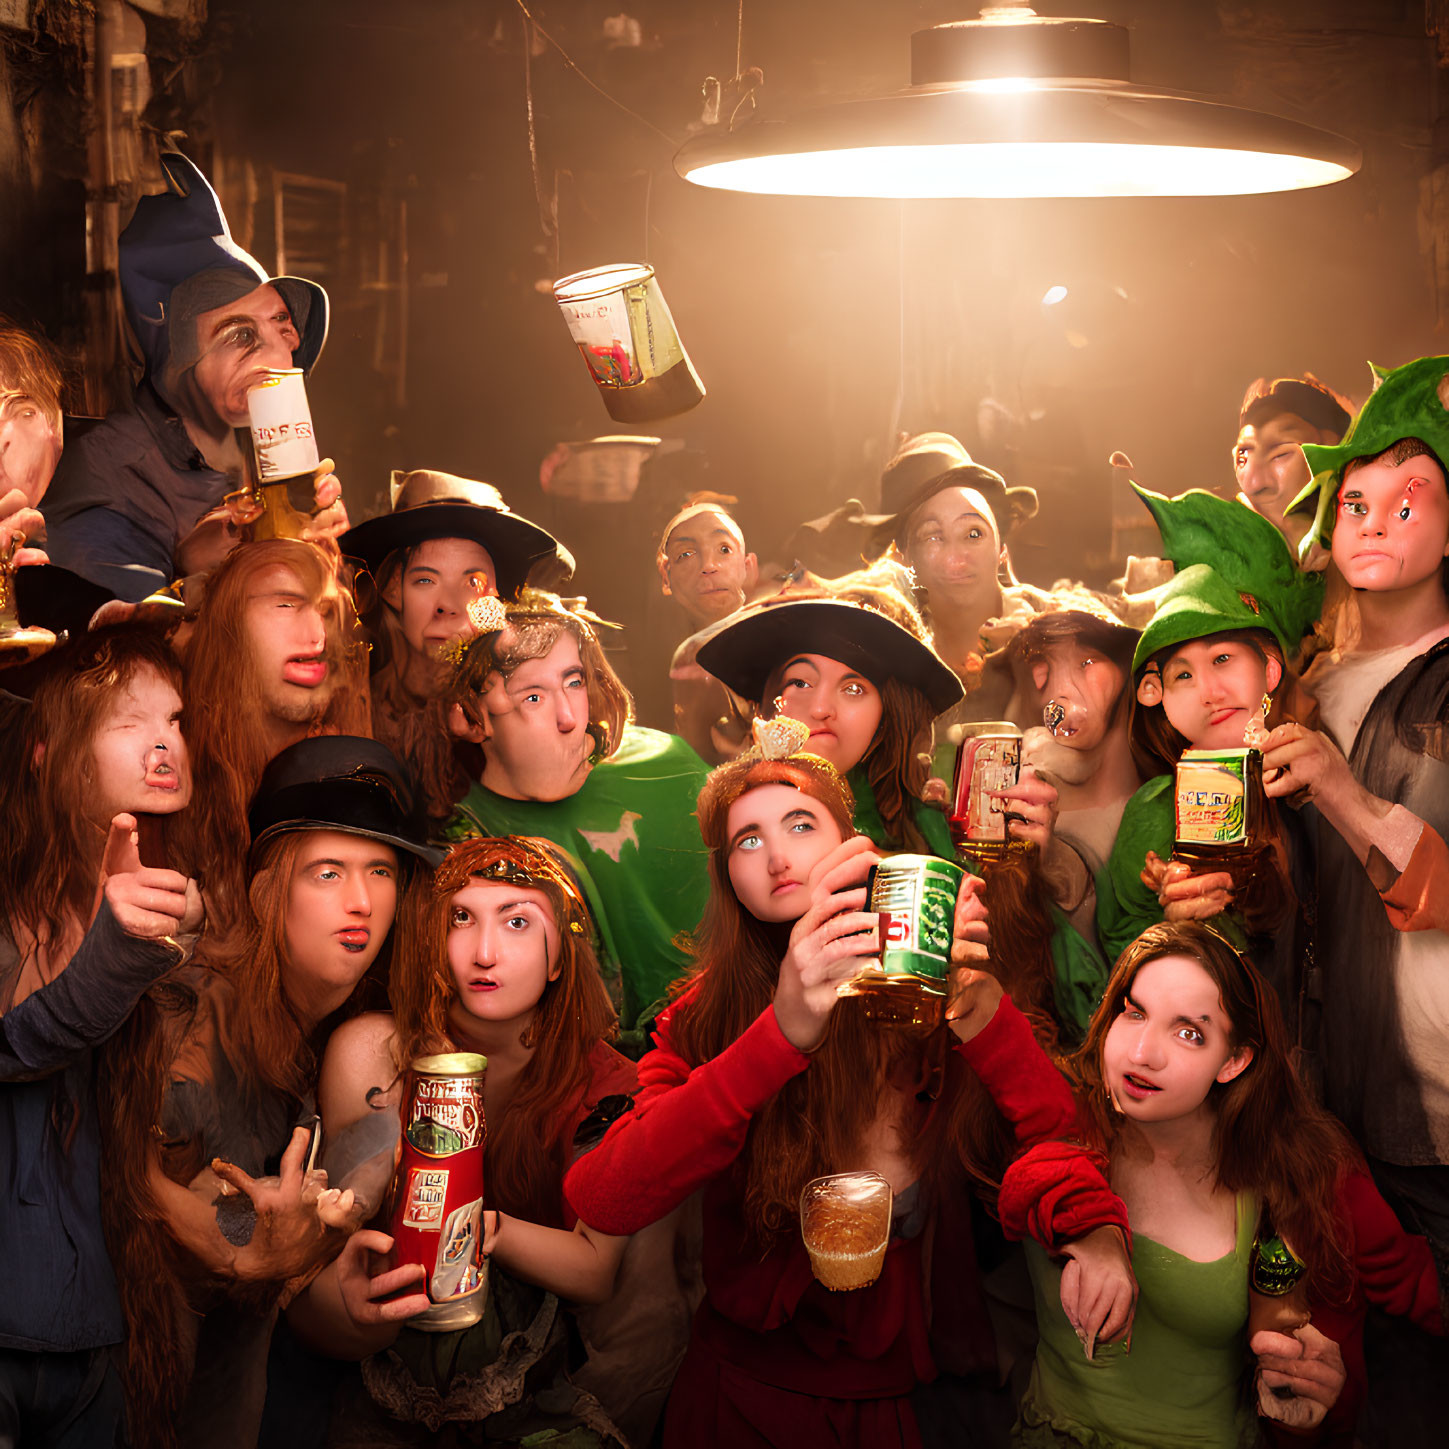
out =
column 1211, row 671
column 562, row 760
column 763, row 1078
column 1187, row 1087
column 1277, row 417
column 212, row 1210
column 85, row 930
column 497, row 960
column 127, row 503
column 448, row 544
column 1374, row 775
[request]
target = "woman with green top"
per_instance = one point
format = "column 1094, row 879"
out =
column 853, row 665
column 1186, row 1087
column 1210, row 671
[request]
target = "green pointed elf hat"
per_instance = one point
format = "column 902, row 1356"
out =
column 1234, row 571
column 1407, row 402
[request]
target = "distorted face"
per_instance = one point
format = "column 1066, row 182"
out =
column 287, row 637
column 954, row 547
column 432, row 591
column 503, row 949
column 841, row 706
column 775, row 835
column 539, row 745
column 705, row 567
column 1170, row 1043
column 1211, row 688
column 138, row 758
column 341, row 900
column 238, row 345
column 1269, row 464
column 1392, row 530
column 30, row 444
column 1075, row 691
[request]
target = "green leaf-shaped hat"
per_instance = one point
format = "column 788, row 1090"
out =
column 1234, row 571
column 1411, row 401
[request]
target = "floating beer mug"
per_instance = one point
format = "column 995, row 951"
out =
column 621, row 325
column 18, row 645
column 284, row 446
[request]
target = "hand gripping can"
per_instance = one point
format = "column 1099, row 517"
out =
column 437, row 1216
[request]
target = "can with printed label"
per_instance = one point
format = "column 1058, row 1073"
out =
column 437, row 1215
column 988, row 760
column 915, row 899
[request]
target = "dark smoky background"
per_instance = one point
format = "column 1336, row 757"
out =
column 386, row 150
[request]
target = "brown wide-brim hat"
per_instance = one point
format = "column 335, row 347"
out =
column 427, row 505
column 1011, row 507
column 754, row 642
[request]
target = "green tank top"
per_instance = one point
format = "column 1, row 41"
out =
column 1182, row 1385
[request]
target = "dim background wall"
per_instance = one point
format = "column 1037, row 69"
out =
column 819, row 327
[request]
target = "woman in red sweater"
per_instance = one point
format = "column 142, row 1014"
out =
column 762, row 1078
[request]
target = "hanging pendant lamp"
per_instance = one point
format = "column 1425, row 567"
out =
column 1015, row 104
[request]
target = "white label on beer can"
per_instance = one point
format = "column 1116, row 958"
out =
column 281, row 424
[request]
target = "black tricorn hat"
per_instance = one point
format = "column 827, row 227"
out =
column 427, row 504
column 761, row 637
column 340, row 782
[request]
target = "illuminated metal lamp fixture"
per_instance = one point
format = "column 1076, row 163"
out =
column 1017, row 104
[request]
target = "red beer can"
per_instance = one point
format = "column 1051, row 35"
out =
column 437, row 1216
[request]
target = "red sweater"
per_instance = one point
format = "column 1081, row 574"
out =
column 766, row 1315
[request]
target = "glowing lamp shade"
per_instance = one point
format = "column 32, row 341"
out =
column 961, row 133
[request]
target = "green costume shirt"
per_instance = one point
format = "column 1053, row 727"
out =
column 633, row 839
column 1181, row 1387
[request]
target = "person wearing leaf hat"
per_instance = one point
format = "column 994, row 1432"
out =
column 1211, row 667
column 129, row 494
column 447, row 544
column 1376, row 773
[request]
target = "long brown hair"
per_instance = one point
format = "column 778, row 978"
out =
column 527, row 1146
column 815, row 1124
column 53, row 843
column 1269, row 1136
column 228, row 751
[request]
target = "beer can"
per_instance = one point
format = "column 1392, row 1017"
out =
column 281, row 423
column 915, row 896
column 988, row 759
column 621, row 324
column 437, row 1217
column 1211, row 796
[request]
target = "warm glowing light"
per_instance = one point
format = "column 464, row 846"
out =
column 1053, row 295
column 1010, row 85
column 1019, row 169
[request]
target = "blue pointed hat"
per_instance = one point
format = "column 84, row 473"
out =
column 181, row 237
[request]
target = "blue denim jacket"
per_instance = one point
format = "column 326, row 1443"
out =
column 59, row 1292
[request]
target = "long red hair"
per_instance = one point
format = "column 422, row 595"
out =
column 228, row 750
column 816, row 1123
column 1269, row 1136
column 527, row 1148
column 53, row 841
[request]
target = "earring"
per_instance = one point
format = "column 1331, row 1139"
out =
column 1267, row 705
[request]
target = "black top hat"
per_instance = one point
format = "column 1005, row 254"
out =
column 428, row 505
column 762, row 636
column 339, row 782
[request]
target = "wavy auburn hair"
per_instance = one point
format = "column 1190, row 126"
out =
column 228, row 749
column 527, row 1150
column 1269, row 1136
column 52, row 848
column 815, row 1124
